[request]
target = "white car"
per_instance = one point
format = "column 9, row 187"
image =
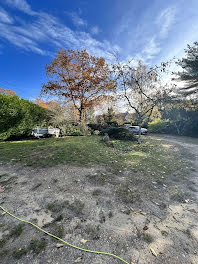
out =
column 135, row 129
column 44, row 132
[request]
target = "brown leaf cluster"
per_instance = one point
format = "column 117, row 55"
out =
column 79, row 77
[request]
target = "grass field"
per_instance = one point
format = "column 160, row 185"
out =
column 149, row 157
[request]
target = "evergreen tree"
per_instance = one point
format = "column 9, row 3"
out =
column 190, row 70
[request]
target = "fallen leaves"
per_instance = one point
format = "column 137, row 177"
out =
column 83, row 241
column 145, row 228
column 153, row 252
column 59, row 245
column 78, row 260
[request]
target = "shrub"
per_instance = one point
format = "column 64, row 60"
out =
column 98, row 126
column 119, row 133
column 75, row 130
column 96, row 132
column 18, row 117
column 159, row 126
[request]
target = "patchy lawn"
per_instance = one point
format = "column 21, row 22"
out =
column 149, row 157
column 125, row 200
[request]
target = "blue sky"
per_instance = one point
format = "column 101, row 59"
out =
column 32, row 31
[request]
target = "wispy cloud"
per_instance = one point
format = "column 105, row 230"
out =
column 77, row 20
column 46, row 34
column 22, row 5
column 7, row 32
column 152, row 48
column 165, row 20
column 5, row 17
column 95, row 30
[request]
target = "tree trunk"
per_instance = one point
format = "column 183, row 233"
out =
column 80, row 116
column 139, row 135
column 82, row 112
column 140, row 126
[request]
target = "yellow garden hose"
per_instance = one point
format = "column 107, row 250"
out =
column 82, row 249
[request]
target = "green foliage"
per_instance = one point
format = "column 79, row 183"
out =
column 2, row 243
column 37, row 245
column 119, row 133
column 189, row 66
column 110, row 118
column 158, row 126
column 75, row 130
column 19, row 253
column 147, row 237
column 180, row 119
column 17, row 230
column 99, row 126
column 18, row 117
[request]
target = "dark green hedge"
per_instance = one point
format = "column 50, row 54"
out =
column 118, row 133
column 18, row 117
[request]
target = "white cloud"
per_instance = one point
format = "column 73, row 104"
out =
column 22, row 5
column 152, row 48
column 77, row 20
column 7, row 32
column 95, row 30
column 165, row 20
column 4, row 17
column 46, row 34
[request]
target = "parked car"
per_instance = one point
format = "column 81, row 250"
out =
column 45, row 132
column 135, row 129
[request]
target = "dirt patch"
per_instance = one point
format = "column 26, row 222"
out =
column 127, row 214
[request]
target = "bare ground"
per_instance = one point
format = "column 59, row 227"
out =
column 75, row 203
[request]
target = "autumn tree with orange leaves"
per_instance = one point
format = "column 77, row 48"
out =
column 7, row 91
column 80, row 78
column 39, row 101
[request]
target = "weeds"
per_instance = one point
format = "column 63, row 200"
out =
column 92, row 231
column 2, row 243
column 52, row 207
column 97, row 192
column 59, row 232
column 59, row 218
column 37, row 246
column 18, row 253
column 17, row 230
column 76, row 207
column 110, row 214
column 147, row 237
column 126, row 195
column 4, row 253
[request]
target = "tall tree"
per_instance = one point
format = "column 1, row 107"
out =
column 7, row 91
column 141, row 89
column 39, row 101
column 79, row 77
column 189, row 74
column 109, row 117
